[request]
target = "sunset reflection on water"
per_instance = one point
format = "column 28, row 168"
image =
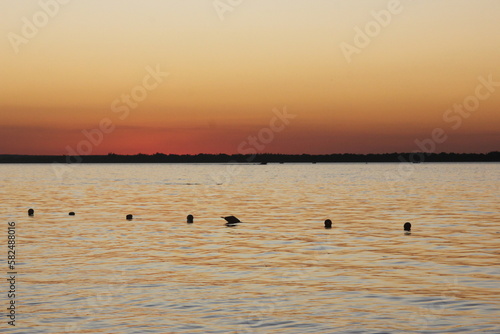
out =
column 279, row 271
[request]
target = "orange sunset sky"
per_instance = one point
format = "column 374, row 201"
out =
column 359, row 76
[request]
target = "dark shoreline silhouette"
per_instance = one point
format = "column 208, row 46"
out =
column 263, row 158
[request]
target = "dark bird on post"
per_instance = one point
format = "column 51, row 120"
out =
column 231, row 220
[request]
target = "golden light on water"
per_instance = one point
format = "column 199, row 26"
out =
column 278, row 271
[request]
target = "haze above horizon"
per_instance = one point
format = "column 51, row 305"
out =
column 276, row 76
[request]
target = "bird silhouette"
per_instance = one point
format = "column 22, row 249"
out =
column 231, row 220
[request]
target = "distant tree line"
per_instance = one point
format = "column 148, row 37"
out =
column 258, row 158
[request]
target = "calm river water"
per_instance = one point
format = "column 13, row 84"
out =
column 279, row 271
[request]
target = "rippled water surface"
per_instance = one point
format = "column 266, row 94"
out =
column 279, row 271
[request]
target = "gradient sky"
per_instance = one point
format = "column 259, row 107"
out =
column 227, row 75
